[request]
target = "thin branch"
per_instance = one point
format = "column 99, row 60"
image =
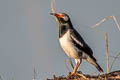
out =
column 105, row 19
column 67, row 65
column 53, row 9
column 115, row 58
column 71, row 63
column 100, row 22
column 53, row 6
column 107, row 51
column 118, row 25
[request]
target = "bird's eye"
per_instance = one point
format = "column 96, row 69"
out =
column 65, row 18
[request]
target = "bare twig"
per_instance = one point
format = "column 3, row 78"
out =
column 53, row 9
column 115, row 58
column 67, row 65
column 105, row 19
column 107, row 51
column 71, row 63
column 108, row 76
column 53, row 6
column 118, row 25
column 100, row 22
column 83, row 76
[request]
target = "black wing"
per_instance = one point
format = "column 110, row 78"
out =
column 80, row 43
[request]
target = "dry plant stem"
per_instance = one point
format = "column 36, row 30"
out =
column 100, row 22
column 115, row 58
column 70, row 60
column 115, row 75
column 107, row 51
column 67, row 65
column 53, row 6
column 82, row 75
column 118, row 25
column 105, row 19
column 53, row 9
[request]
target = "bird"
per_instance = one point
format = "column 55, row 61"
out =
column 73, row 44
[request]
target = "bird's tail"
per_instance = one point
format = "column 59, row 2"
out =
column 98, row 67
column 93, row 61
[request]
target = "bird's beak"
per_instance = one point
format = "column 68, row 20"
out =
column 57, row 15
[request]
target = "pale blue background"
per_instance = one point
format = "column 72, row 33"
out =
column 29, row 35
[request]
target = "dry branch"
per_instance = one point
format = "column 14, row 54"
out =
column 105, row 19
column 53, row 9
column 108, row 76
column 107, row 51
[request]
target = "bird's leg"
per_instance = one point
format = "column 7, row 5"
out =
column 76, row 67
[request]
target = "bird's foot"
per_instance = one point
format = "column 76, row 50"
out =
column 70, row 75
column 77, row 74
column 73, row 74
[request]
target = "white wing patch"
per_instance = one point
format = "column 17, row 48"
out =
column 76, row 41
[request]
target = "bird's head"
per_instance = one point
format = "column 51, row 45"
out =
column 62, row 17
column 64, row 22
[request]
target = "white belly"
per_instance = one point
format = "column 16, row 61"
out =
column 68, row 46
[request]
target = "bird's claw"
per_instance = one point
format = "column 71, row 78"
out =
column 71, row 74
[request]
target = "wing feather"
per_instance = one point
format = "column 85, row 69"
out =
column 80, row 43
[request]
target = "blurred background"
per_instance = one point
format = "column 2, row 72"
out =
column 29, row 35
